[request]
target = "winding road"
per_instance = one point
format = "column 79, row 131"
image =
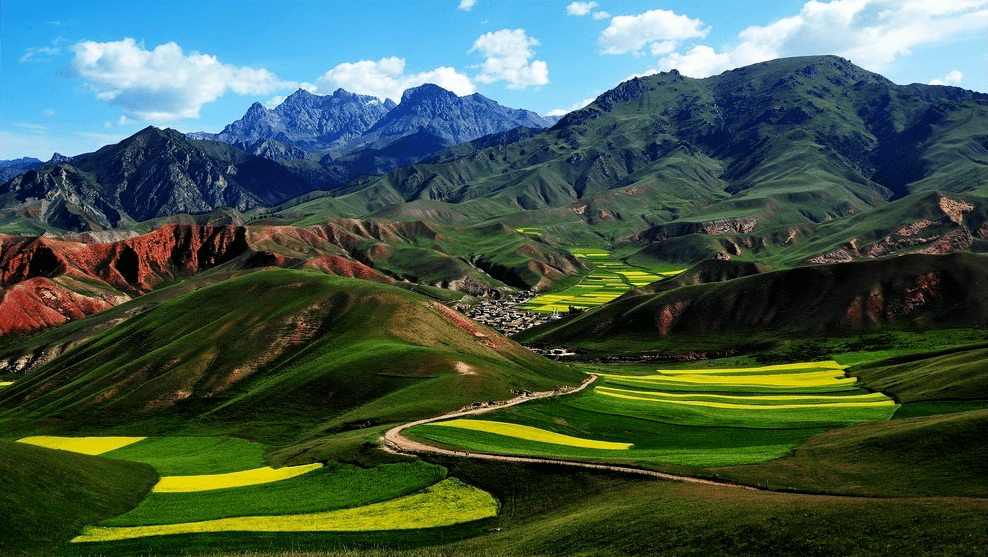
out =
column 397, row 443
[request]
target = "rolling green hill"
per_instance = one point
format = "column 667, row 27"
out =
column 49, row 495
column 276, row 356
column 788, row 143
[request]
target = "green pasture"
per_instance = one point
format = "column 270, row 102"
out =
column 735, row 416
column 186, row 456
column 609, row 279
column 337, row 497
column 335, row 486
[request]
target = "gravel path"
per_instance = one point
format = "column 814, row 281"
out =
column 397, row 443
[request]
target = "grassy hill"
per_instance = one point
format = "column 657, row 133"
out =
column 276, row 355
column 49, row 495
column 780, row 145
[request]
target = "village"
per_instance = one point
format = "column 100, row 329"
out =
column 503, row 315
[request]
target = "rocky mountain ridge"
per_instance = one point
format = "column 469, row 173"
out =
column 345, row 122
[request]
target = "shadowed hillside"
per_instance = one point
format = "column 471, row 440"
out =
column 273, row 354
column 915, row 291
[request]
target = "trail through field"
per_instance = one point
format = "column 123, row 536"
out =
column 395, row 442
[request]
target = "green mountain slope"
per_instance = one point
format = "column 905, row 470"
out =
column 273, row 355
column 914, row 291
column 791, row 141
column 49, row 495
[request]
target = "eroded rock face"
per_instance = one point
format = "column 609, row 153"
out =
column 47, row 282
column 953, row 229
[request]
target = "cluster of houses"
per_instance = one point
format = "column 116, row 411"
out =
column 503, row 315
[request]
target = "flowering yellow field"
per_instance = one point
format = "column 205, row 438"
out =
column 206, row 482
column 847, row 403
column 825, row 378
column 768, row 399
column 84, row 445
column 532, row 434
column 781, row 368
column 447, row 502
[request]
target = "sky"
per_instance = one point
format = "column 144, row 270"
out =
column 77, row 75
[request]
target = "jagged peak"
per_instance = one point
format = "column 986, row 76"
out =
column 426, row 90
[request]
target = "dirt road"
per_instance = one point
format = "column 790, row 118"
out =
column 395, row 442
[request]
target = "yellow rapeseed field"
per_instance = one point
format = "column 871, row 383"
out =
column 532, row 434
column 802, row 398
column 829, row 364
column 742, row 406
column 825, row 378
column 447, row 502
column 84, row 445
column 206, row 482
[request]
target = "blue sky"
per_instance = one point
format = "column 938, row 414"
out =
column 80, row 75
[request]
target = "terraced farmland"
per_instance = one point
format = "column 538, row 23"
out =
column 609, row 279
column 699, row 417
column 220, row 484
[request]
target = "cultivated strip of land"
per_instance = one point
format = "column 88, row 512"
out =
column 395, row 442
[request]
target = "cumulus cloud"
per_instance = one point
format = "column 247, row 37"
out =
column 871, row 33
column 631, row 33
column 953, row 78
column 386, row 79
column 580, row 8
column 508, row 55
column 163, row 84
column 467, row 5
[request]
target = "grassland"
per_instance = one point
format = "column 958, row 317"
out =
column 312, row 498
column 49, row 495
column 692, row 417
column 445, row 503
column 332, row 487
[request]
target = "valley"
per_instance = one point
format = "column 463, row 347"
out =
column 739, row 315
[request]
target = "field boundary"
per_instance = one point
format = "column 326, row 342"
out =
column 396, row 443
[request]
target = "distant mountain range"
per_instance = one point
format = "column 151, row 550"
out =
column 812, row 156
column 345, row 122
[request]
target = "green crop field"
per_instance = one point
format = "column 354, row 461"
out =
column 712, row 417
column 609, row 279
column 221, row 490
column 445, row 503
column 183, row 456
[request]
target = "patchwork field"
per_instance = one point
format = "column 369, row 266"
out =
column 698, row 417
column 219, row 485
column 609, row 279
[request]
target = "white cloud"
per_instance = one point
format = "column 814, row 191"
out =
column 386, row 79
column 48, row 112
column 601, row 15
column 163, row 84
column 953, row 78
column 508, row 54
column 40, row 54
column 467, row 5
column 580, row 8
column 631, row 33
column 871, row 33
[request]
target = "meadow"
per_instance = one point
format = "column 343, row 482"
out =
column 213, row 485
column 690, row 417
column 609, row 279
